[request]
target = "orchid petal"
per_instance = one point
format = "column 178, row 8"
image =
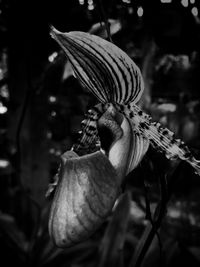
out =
column 89, row 134
column 161, row 138
column 102, row 67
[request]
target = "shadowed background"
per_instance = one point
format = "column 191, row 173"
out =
column 42, row 105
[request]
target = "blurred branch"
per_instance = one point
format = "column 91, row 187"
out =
column 25, row 104
column 18, row 132
column 112, row 244
column 147, row 68
column 105, row 19
column 151, row 230
column 149, row 216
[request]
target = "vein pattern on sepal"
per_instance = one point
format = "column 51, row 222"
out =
column 102, row 67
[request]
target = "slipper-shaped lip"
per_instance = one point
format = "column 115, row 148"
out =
column 89, row 185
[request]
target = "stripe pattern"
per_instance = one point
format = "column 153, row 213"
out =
column 110, row 74
column 103, row 68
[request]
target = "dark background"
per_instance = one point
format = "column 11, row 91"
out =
column 43, row 115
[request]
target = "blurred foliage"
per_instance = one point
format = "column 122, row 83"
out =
column 156, row 221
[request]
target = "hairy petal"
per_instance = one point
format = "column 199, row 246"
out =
column 162, row 139
column 89, row 139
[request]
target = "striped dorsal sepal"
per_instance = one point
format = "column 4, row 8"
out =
column 162, row 139
column 102, row 67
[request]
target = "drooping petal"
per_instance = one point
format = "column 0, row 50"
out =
column 102, row 67
column 161, row 138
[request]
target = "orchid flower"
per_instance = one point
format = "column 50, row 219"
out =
column 90, row 176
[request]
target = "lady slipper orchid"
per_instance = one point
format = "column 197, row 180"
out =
column 88, row 185
column 90, row 175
